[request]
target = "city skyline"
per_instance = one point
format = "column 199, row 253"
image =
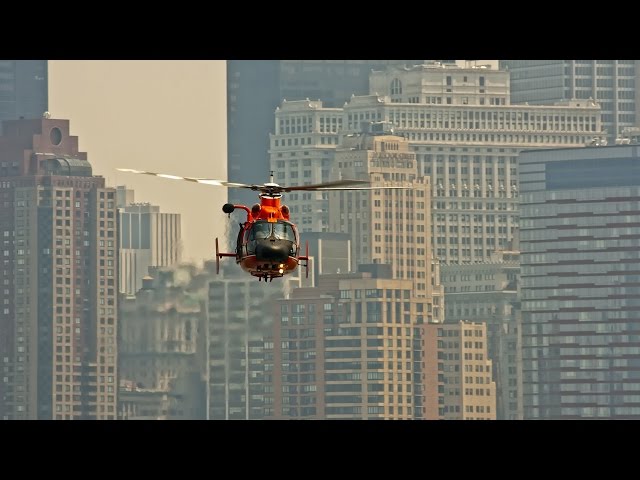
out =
column 490, row 272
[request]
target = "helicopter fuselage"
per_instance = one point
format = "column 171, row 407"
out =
column 268, row 243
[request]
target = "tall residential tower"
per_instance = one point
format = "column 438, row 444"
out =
column 59, row 315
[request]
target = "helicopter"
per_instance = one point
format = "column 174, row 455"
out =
column 268, row 243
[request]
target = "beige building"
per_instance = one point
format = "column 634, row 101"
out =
column 163, row 347
column 462, row 372
column 442, row 84
column 387, row 226
column 467, row 135
column 345, row 349
column 488, row 293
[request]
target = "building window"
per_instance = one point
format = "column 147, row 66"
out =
column 396, row 87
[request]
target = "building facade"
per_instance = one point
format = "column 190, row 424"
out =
column 256, row 87
column 302, row 152
column 59, row 316
column 466, row 139
column 24, row 89
column 148, row 238
column 345, row 350
column 387, row 226
column 163, row 348
column 330, row 252
column 240, row 317
column 488, row 293
column 460, row 372
column 612, row 83
column 580, row 275
column 465, row 133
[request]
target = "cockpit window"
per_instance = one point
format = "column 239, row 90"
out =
column 284, row 231
column 281, row 231
column 260, row 230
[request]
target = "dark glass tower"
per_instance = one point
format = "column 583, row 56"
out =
column 580, row 274
column 23, row 89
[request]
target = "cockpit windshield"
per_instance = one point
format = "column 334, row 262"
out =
column 284, row 231
column 281, row 231
column 260, row 230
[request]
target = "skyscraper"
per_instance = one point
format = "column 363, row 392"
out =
column 256, row 87
column 580, row 260
column 240, row 316
column 24, row 89
column 345, row 349
column 388, row 226
column 614, row 84
column 148, row 238
column 461, row 370
column 488, row 292
column 58, row 322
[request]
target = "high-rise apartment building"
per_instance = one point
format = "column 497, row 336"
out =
column 240, row 316
column 148, row 238
column 488, row 292
column 580, row 261
column 256, row 87
column 345, row 349
column 614, row 84
column 58, row 319
column 389, row 226
column 460, row 370
column 24, row 88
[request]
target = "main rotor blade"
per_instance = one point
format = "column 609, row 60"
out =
column 362, row 188
column 318, row 186
column 206, row 181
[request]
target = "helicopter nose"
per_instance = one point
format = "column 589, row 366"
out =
column 273, row 251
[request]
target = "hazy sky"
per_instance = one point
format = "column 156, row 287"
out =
column 166, row 116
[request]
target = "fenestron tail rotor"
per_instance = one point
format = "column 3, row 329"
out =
column 272, row 188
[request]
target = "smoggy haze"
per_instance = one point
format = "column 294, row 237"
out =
column 167, row 116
